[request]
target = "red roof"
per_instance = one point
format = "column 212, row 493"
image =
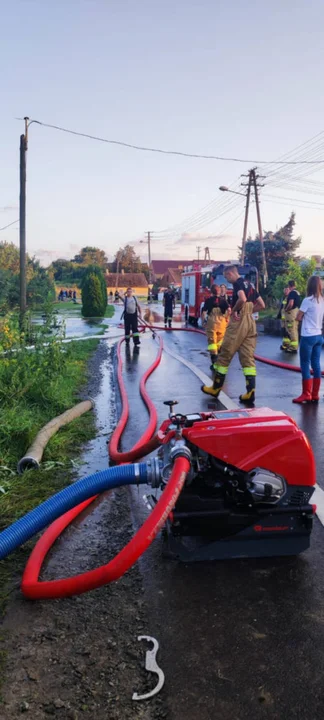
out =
column 159, row 267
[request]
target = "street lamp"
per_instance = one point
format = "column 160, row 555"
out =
column 223, row 188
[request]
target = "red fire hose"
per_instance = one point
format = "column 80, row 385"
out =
column 92, row 579
column 147, row 443
column 33, row 588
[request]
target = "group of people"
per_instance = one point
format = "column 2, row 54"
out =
column 230, row 329
column 67, row 295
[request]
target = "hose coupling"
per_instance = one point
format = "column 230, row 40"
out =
column 180, row 450
column 154, row 472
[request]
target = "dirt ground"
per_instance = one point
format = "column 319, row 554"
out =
column 80, row 657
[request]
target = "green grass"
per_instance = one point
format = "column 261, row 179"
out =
column 268, row 313
column 110, row 310
column 20, row 420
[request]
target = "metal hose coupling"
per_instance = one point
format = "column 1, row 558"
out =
column 180, row 449
column 154, row 472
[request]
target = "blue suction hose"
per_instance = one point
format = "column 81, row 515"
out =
column 38, row 518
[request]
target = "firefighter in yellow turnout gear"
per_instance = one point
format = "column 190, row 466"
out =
column 290, row 343
column 240, row 336
column 216, row 309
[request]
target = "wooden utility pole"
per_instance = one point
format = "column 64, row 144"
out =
column 246, row 218
column 22, row 223
column 252, row 182
column 149, row 254
column 264, row 264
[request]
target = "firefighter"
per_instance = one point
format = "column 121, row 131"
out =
column 281, row 316
column 240, row 336
column 169, row 305
column 131, row 312
column 291, row 312
column 216, row 308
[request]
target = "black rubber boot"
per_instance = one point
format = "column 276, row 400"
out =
column 216, row 387
column 249, row 396
column 213, row 360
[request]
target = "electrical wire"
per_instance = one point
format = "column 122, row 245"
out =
column 171, row 152
column 9, row 225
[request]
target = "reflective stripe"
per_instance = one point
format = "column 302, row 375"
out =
column 211, row 347
column 127, row 337
column 249, row 371
column 221, row 369
column 294, row 343
column 136, row 334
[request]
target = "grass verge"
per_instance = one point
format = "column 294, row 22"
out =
column 21, row 417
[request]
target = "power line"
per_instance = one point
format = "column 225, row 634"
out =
column 174, row 152
column 7, row 226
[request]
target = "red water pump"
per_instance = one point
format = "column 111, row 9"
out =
column 249, row 489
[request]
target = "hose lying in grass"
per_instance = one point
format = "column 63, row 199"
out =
column 34, row 454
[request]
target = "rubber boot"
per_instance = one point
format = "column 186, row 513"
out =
column 306, row 395
column 315, row 390
column 213, row 360
column 216, row 387
column 170, row 324
column 249, row 396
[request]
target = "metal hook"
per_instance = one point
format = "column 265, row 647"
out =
column 151, row 666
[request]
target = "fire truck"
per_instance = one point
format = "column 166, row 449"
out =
column 196, row 284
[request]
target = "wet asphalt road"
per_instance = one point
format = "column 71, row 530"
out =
column 245, row 638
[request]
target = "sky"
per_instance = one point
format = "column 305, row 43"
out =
column 236, row 79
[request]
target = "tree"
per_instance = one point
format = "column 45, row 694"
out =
column 91, row 256
column 127, row 260
column 300, row 272
column 279, row 247
column 9, row 257
column 93, row 292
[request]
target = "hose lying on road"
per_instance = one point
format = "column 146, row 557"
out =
column 34, row 454
column 282, row 365
column 32, row 588
column 147, row 443
column 92, row 579
column 27, row 526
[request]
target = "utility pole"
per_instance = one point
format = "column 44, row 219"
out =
column 198, row 251
column 149, row 253
column 22, row 223
column 252, row 182
column 264, row 264
column 246, row 218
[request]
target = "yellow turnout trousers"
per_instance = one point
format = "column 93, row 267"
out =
column 291, row 329
column 241, row 337
column 215, row 330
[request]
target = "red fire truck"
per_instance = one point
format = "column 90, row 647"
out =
column 196, row 284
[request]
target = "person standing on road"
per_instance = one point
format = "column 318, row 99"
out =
column 311, row 314
column 169, row 305
column 240, row 336
column 216, row 309
column 132, row 311
column 281, row 316
column 292, row 307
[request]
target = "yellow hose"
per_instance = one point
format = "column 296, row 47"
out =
column 34, row 454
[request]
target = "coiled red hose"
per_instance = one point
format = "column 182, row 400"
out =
column 282, row 365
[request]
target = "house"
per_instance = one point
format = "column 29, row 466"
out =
column 171, row 277
column 122, row 281
column 160, row 267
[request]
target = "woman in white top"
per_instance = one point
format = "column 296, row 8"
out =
column 311, row 314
